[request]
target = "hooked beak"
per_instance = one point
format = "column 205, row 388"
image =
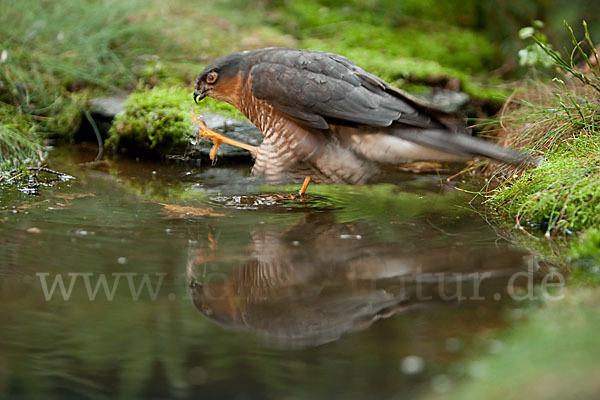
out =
column 199, row 95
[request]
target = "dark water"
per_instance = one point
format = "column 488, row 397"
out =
column 224, row 288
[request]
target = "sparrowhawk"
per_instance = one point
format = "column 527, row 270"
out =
column 324, row 117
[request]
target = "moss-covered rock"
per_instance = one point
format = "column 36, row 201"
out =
column 157, row 122
column 561, row 197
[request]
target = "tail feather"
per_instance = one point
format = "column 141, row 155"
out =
column 460, row 143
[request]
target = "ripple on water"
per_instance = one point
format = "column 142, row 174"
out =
column 274, row 202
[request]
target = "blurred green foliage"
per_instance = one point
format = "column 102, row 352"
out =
column 387, row 28
column 52, row 55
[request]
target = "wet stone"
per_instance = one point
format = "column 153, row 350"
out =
column 108, row 106
column 447, row 100
column 239, row 130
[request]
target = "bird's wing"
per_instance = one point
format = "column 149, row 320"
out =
column 317, row 88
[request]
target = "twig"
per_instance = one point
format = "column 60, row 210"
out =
column 97, row 133
column 50, row 171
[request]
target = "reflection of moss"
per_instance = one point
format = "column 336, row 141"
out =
column 543, row 357
column 157, row 121
column 585, row 253
column 387, row 204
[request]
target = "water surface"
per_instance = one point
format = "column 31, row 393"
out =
column 220, row 287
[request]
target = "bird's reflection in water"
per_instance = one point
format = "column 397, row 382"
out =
column 320, row 279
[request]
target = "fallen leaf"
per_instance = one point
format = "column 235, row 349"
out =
column 32, row 205
column 72, row 196
column 422, row 167
column 60, row 206
column 177, row 211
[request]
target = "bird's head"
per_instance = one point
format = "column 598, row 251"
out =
column 221, row 79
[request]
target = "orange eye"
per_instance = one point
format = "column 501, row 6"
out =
column 211, row 77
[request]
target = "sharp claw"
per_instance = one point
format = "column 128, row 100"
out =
column 217, row 137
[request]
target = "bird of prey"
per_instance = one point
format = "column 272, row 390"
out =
column 325, row 118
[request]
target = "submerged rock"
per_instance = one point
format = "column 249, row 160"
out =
column 446, row 100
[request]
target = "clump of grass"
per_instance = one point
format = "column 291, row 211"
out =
column 71, row 44
column 52, row 55
column 17, row 147
column 561, row 195
column 18, row 144
column 560, row 121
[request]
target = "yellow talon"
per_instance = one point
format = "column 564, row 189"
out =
column 304, row 186
column 218, row 138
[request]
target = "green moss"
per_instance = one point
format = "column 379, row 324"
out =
column 358, row 26
column 563, row 194
column 157, row 121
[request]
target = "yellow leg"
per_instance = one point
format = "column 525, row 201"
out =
column 219, row 138
column 304, row 186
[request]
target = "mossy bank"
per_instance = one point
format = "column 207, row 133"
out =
column 555, row 205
